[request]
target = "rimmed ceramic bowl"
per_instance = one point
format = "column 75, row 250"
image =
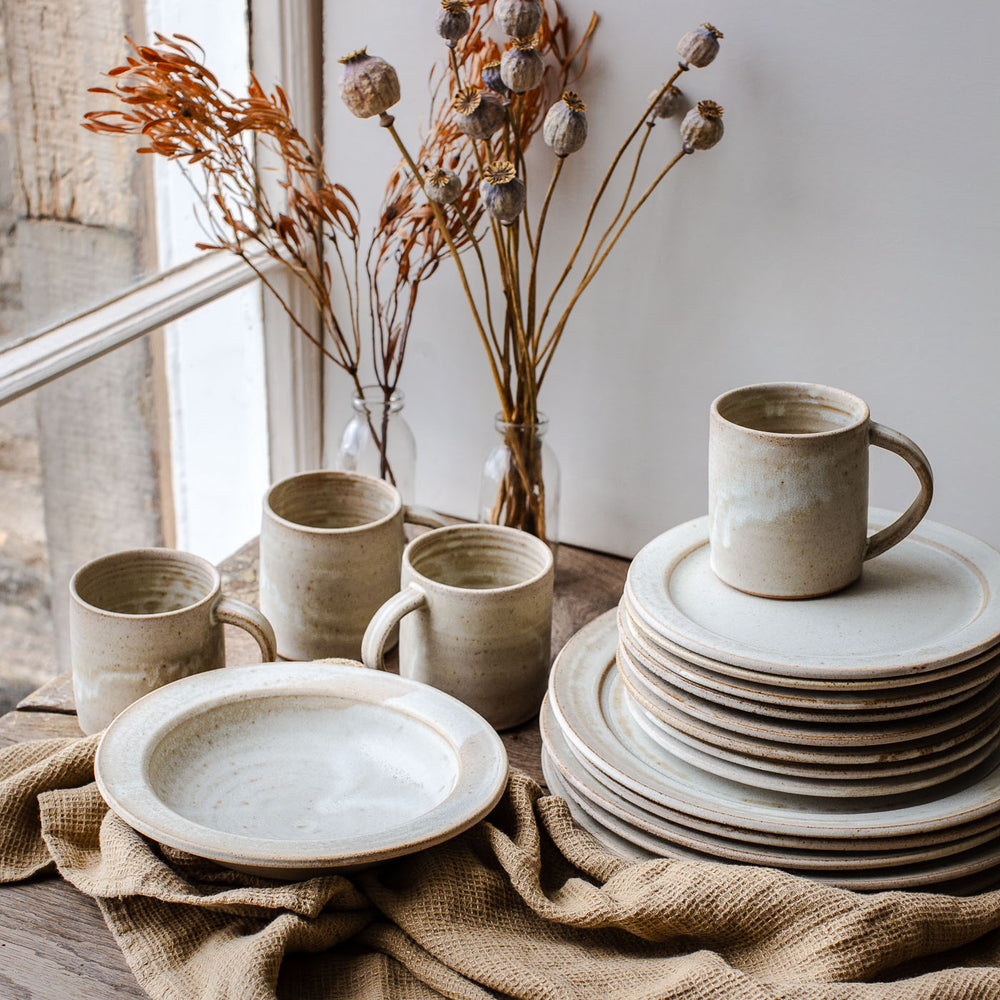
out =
column 291, row 770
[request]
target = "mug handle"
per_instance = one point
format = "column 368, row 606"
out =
column 414, row 514
column 230, row 611
column 385, row 620
column 900, row 444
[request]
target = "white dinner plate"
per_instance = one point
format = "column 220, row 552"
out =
column 839, row 733
column 588, row 700
column 931, row 600
column 601, row 822
column 852, row 782
column 942, row 842
column 899, row 689
column 803, row 705
column 290, row 770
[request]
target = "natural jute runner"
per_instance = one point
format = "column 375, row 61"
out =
column 523, row 905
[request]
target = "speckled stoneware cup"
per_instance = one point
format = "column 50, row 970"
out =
column 142, row 618
column 788, row 488
column 330, row 549
column 475, row 619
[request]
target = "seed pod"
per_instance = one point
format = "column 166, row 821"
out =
column 453, row 21
column 702, row 126
column 368, row 85
column 518, row 18
column 493, row 80
column 565, row 125
column 478, row 113
column 669, row 103
column 442, row 186
column 699, row 47
column 521, row 66
column 502, row 191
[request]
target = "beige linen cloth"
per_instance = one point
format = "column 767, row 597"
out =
column 523, row 905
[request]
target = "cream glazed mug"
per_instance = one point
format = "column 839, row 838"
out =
column 331, row 544
column 142, row 618
column 475, row 619
column 788, row 488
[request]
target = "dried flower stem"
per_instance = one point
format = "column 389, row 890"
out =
column 605, row 181
column 446, row 233
column 549, row 350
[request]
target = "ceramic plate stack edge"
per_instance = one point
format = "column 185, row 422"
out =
column 643, row 794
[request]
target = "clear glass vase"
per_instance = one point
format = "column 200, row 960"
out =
column 520, row 480
column 379, row 442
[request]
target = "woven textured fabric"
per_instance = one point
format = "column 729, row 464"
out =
column 523, row 905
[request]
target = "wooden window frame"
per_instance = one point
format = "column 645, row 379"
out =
column 286, row 46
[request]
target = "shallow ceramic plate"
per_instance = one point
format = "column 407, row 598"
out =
column 943, row 842
column 897, row 689
column 852, row 782
column 932, row 600
column 292, row 769
column 588, row 699
column 804, row 705
column 600, row 823
column 851, row 753
column 951, row 724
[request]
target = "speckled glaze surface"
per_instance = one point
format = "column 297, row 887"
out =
column 588, row 705
column 330, row 549
column 295, row 769
column 928, row 603
column 475, row 618
column 788, row 488
column 143, row 618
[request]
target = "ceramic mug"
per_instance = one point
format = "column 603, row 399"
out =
column 144, row 617
column 788, row 488
column 475, row 619
column 331, row 544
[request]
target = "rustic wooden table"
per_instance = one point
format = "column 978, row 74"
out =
column 54, row 944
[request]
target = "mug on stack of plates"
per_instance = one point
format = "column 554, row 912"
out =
column 854, row 738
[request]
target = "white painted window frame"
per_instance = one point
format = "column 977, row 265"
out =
column 286, row 46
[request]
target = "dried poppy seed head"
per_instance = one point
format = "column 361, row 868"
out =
column 521, row 66
column 478, row 113
column 499, row 172
column 492, row 78
column 368, row 85
column 453, row 21
column 442, row 186
column 565, row 125
column 502, row 191
column 699, row 47
column 702, row 127
column 669, row 102
column 518, row 18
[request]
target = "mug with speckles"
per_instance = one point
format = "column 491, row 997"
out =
column 474, row 612
column 788, row 488
column 142, row 618
column 330, row 549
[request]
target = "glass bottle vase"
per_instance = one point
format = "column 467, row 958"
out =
column 378, row 441
column 520, row 480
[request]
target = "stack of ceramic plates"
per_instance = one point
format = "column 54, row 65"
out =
column 855, row 737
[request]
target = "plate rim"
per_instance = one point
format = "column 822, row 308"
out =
column 663, row 554
column 121, row 766
column 596, row 642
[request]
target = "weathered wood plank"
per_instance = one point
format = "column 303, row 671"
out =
column 18, row 727
column 54, row 944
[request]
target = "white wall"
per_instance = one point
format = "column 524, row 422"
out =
column 846, row 231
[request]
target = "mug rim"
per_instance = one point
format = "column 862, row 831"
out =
column 381, row 485
column 478, row 528
column 859, row 409
column 156, row 553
